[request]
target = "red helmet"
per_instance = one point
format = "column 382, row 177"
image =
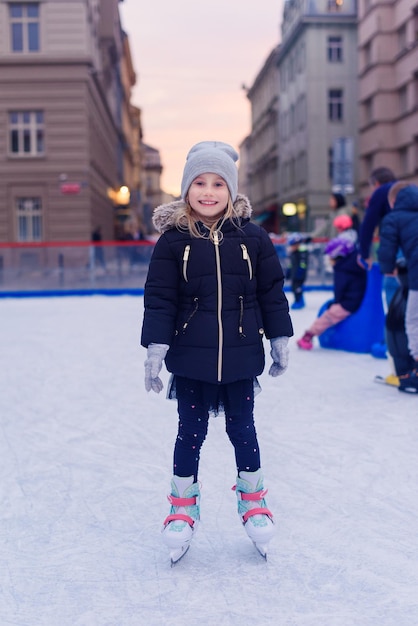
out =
column 342, row 222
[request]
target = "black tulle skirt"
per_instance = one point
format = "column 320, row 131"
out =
column 213, row 398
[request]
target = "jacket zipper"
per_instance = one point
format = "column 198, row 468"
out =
column 219, row 283
column 196, row 306
column 246, row 257
column 241, row 315
column 185, row 260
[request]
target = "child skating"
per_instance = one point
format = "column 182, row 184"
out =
column 214, row 289
column 350, row 282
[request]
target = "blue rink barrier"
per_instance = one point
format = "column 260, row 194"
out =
column 365, row 327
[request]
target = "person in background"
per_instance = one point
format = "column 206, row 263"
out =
column 337, row 204
column 399, row 230
column 134, row 232
column 355, row 215
column 396, row 338
column 297, row 272
column 96, row 237
column 381, row 180
column 214, row 288
column 350, row 282
column 343, row 224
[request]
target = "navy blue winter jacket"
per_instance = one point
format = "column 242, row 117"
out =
column 376, row 210
column 213, row 304
column 350, row 281
column 399, row 229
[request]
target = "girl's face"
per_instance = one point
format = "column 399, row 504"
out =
column 208, row 196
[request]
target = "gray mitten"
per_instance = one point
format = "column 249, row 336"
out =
column 155, row 356
column 280, row 355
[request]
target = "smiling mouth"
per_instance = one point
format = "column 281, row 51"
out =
column 208, row 202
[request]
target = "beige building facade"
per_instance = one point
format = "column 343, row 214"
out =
column 65, row 119
column 388, row 88
column 259, row 151
column 317, row 64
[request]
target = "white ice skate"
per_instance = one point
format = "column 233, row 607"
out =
column 181, row 524
column 252, row 509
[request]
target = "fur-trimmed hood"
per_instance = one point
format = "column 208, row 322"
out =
column 164, row 216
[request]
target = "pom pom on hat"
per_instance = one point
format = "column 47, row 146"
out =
column 213, row 157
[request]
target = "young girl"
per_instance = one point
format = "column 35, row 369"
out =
column 214, row 288
column 350, row 282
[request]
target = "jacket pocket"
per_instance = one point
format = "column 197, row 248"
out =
column 186, row 254
column 247, row 259
column 241, row 318
column 191, row 314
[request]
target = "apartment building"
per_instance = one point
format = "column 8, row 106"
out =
column 68, row 136
column 259, row 151
column 388, row 88
column 317, row 63
column 152, row 194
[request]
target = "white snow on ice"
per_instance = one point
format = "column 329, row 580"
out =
column 85, row 458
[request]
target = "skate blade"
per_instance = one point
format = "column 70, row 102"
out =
column 178, row 554
column 391, row 381
column 262, row 550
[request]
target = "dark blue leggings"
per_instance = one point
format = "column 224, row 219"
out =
column 194, row 400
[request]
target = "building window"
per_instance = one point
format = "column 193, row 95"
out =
column 26, row 133
column 24, row 26
column 368, row 111
column 335, row 105
column 415, row 90
column 367, row 54
column 335, row 5
column 415, row 23
column 416, row 153
column 29, row 219
column 335, row 49
column 403, row 161
column 402, row 38
column 331, row 163
column 403, row 100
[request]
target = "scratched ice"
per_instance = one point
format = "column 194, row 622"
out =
column 85, row 459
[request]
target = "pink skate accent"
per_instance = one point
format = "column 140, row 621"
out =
column 257, row 511
column 181, row 501
column 257, row 495
column 179, row 517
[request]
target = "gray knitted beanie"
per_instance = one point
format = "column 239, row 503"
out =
column 213, row 157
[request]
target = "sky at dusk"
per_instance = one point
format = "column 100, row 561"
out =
column 191, row 60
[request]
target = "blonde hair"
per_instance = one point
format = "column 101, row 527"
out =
column 186, row 222
column 394, row 190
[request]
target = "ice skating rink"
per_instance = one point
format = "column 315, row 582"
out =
column 85, row 462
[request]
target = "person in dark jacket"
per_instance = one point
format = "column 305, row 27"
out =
column 399, row 229
column 396, row 338
column 213, row 290
column 381, row 180
column 298, row 270
column 350, row 281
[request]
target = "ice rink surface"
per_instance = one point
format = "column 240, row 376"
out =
column 85, row 462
